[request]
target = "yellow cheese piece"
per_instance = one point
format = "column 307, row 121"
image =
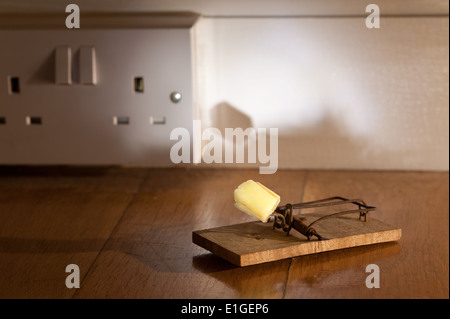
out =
column 256, row 200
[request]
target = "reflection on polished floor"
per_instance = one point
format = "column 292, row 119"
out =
column 129, row 231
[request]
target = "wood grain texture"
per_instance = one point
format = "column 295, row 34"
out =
column 255, row 242
column 52, row 218
column 415, row 267
column 151, row 254
column 130, row 232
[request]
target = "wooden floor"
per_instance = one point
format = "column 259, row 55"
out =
column 130, row 233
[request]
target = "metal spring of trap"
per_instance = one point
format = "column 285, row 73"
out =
column 285, row 219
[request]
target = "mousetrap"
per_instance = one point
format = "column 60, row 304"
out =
column 288, row 235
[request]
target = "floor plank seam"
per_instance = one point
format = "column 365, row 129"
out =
column 111, row 234
column 304, row 186
column 291, row 260
column 286, row 282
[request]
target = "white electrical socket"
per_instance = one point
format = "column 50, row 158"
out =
column 118, row 86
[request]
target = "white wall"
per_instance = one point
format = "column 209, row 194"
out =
column 342, row 96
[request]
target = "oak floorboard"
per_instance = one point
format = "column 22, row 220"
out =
column 414, row 267
column 50, row 218
column 151, row 254
column 130, row 232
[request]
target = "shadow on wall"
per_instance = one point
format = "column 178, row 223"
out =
column 225, row 115
column 336, row 145
column 329, row 139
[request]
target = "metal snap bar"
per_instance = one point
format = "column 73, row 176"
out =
column 285, row 219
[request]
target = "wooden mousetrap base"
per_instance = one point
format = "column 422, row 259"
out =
column 256, row 242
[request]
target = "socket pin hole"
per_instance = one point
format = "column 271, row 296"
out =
column 33, row 120
column 139, row 84
column 121, row 120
